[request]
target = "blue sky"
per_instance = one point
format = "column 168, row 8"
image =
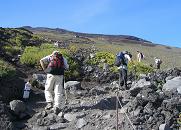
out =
column 158, row 21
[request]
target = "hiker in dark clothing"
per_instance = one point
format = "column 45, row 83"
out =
column 121, row 62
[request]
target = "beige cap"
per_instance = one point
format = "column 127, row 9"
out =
column 55, row 52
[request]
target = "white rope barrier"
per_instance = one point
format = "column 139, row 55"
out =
column 126, row 114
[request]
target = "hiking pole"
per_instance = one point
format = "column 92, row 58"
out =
column 123, row 78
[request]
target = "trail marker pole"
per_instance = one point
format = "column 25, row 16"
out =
column 117, row 117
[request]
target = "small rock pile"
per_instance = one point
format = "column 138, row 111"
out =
column 151, row 106
column 5, row 118
column 150, row 109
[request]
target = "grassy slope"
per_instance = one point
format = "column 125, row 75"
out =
column 170, row 55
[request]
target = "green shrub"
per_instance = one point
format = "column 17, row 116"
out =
column 19, row 40
column 73, row 71
column 12, row 50
column 72, row 49
column 35, row 38
column 30, row 56
column 100, row 56
column 139, row 68
column 47, row 45
column 6, row 70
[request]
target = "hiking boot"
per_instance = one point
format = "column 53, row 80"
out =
column 66, row 102
column 56, row 110
column 49, row 106
column 121, row 88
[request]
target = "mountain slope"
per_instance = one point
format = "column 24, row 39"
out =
column 113, row 43
column 111, row 38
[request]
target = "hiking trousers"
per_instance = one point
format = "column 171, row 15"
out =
column 123, row 78
column 157, row 66
column 54, row 86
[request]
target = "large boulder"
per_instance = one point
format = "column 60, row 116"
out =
column 97, row 91
column 140, row 84
column 17, row 106
column 81, row 123
column 107, row 103
column 72, row 85
column 173, row 84
column 70, row 116
column 169, row 78
column 48, row 120
column 5, row 118
column 39, row 77
column 164, row 127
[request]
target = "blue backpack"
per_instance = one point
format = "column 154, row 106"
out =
column 120, row 59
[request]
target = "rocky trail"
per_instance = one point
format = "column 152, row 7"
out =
column 92, row 106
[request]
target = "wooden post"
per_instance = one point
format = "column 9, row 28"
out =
column 117, row 116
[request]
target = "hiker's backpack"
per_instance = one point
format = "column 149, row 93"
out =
column 142, row 56
column 159, row 61
column 56, row 65
column 120, row 59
